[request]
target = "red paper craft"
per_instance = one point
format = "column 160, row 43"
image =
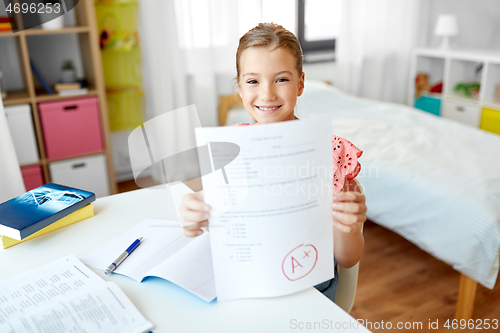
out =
column 345, row 161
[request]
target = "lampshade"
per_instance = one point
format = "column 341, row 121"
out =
column 446, row 25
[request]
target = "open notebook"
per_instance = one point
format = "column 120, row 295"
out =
column 165, row 252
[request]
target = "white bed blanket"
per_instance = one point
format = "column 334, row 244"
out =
column 434, row 181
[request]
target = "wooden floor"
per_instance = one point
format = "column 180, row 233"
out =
column 130, row 185
column 398, row 282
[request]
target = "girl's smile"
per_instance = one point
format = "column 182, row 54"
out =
column 268, row 109
column 269, row 84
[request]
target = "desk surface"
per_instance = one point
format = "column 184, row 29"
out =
column 169, row 307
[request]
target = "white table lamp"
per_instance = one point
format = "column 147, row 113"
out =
column 446, row 27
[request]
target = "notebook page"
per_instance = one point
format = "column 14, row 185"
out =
column 191, row 268
column 161, row 240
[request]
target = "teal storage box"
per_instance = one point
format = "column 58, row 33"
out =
column 429, row 104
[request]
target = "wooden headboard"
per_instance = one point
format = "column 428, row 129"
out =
column 226, row 102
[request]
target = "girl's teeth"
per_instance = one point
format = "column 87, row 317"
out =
column 268, row 109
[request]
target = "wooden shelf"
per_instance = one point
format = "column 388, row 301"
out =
column 31, row 164
column 17, row 97
column 45, row 161
column 23, row 97
column 38, row 32
column 7, row 34
column 68, row 30
column 98, row 152
column 43, row 97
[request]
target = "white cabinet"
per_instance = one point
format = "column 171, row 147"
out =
column 22, row 132
column 475, row 105
column 87, row 173
column 467, row 114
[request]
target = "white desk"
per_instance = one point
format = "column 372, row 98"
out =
column 169, row 307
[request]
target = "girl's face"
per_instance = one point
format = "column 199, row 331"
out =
column 269, row 84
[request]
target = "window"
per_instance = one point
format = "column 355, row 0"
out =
column 318, row 25
column 220, row 23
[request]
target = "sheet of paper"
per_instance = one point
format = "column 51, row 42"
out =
column 38, row 288
column 271, row 228
column 164, row 252
column 102, row 309
column 66, row 296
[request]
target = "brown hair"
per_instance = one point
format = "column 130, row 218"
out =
column 269, row 35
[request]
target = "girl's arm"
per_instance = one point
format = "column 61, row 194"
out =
column 194, row 212
column 348, row 212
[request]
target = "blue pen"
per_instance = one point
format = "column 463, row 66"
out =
column 123, row 256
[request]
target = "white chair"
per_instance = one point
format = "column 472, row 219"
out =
column 346, row 290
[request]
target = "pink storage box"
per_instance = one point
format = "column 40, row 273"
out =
column 32, row 177
column 71, row 127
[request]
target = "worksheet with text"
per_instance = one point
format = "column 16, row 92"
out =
column 270, row 189
column 66, row 296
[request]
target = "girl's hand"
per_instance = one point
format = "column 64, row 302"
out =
column 348, row 211
column 194, row 213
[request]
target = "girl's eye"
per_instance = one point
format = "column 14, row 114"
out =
column 282, row 79
column 252, row 81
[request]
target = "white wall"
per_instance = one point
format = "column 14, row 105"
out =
column 478, row 23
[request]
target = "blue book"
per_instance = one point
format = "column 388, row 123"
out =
column 36, row 209
column 41, row 79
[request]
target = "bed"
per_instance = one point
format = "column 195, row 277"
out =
column 434, row 181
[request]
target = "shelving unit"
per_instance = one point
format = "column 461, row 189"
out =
column 453, row 67
column 88, row 42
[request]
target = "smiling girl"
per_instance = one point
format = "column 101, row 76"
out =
column 270, row 78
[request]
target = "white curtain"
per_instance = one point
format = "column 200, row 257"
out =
column 11, row 181
column 163, row 70
column 374, row 47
